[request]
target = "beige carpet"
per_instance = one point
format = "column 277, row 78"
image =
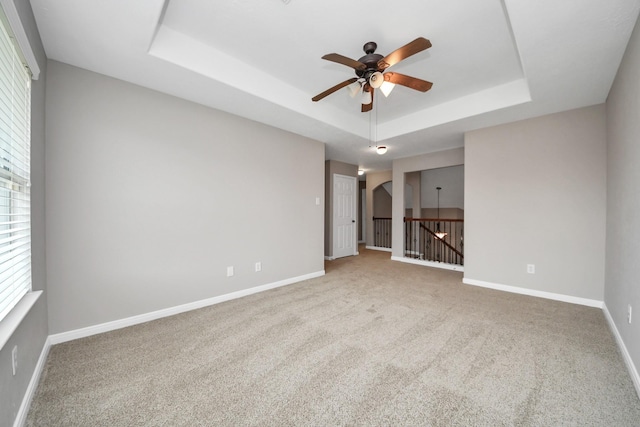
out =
column 374, row 342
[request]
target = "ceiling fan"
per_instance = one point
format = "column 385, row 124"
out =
column 370, row 70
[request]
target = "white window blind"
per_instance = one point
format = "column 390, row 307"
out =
column 15, row 138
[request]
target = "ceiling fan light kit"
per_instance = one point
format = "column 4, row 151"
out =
column 354, row 88
column 371, row 75
column 381, row 149
column 386, row 88
column 366, row 98
column 376, row 80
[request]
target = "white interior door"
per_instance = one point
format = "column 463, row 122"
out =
column 344, row 216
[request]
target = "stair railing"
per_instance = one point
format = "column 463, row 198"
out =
column 382, row 232
column 422, row 242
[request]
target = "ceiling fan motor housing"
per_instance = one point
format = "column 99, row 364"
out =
column 370, row 60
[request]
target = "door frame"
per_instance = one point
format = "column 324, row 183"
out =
column 354, row 237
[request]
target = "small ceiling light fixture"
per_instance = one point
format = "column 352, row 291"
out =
column 360, row 172
column 381, row 149
column 439, row 234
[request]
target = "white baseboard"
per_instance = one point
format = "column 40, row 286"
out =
column 633, row 371
column 142, row 318
column 413, row 253
column 442, row 265
column 332, row 258
column 535, row 293
column 377, row 248
column 21, row 417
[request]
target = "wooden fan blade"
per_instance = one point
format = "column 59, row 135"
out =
column 368, row 107
column 335, row 57
column 333, row 89
column 418, row 45
column 408, row 81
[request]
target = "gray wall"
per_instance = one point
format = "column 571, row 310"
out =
column 381, row 203
column 622, row 286
column 412, row 191
column 31, row 335
column 451, row 180
column 535, row 193
column 362, row 189
column 150, row 198
column 445, row 213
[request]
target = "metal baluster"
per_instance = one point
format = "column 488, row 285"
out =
column 383, row 243
column 388, row 233
column 375, row 232
column 406, row 234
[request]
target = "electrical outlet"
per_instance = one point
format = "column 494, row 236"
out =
column 14, row 359
column 230, row 271
column 531, row 268
column 258, row 266
column 629, row 313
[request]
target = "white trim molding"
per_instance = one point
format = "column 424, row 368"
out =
column 378, row 248
column 146, row 317
column 442, row 265
column 10, row 323
column 534, row 293
column 633, row 371
column 21, row 416
column 332, row 258
column 15, row 23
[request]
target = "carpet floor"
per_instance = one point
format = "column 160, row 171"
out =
column 373, row 342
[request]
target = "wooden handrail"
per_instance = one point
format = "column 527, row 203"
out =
column 433, row 219
column 377, row 217
column 445, row 243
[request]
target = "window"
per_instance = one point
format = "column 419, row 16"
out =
column 15, row 138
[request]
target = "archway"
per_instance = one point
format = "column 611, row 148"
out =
column 382, row 214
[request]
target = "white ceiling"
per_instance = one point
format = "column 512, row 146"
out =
column 491, row 62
